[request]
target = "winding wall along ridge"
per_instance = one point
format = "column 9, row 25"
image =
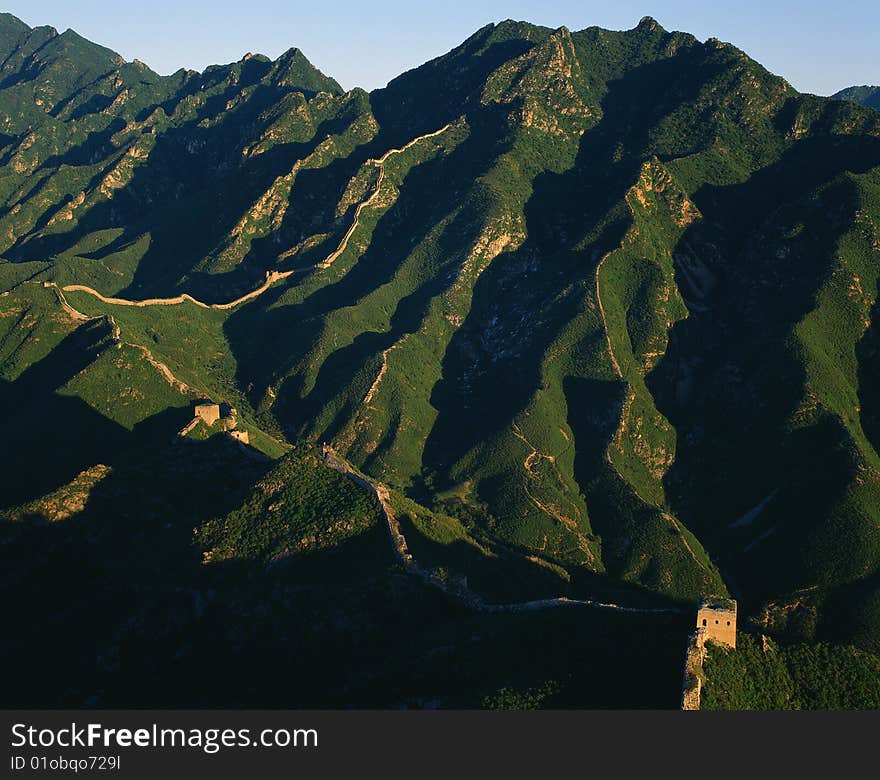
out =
column 271, row 276
column 455, row 589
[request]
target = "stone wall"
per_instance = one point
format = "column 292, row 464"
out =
column 188, row 427
column 692, row 681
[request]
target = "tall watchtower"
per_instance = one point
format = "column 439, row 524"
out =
column 717, row 617
column 208, row 412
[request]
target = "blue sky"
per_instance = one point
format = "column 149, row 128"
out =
column 818, row 46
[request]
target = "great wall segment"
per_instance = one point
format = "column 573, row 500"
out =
column 271, row 276
column 716, row 622
column 457, row 586
column 715, row 616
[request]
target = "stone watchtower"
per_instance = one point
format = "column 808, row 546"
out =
column 208, row 412
column 717, row 618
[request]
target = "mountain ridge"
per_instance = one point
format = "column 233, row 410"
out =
column 865, row 95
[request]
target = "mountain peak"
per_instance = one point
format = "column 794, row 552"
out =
column 295, row 68
column 10, row 22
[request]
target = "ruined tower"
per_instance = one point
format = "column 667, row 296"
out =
column 717, row 618
column 208, row 412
